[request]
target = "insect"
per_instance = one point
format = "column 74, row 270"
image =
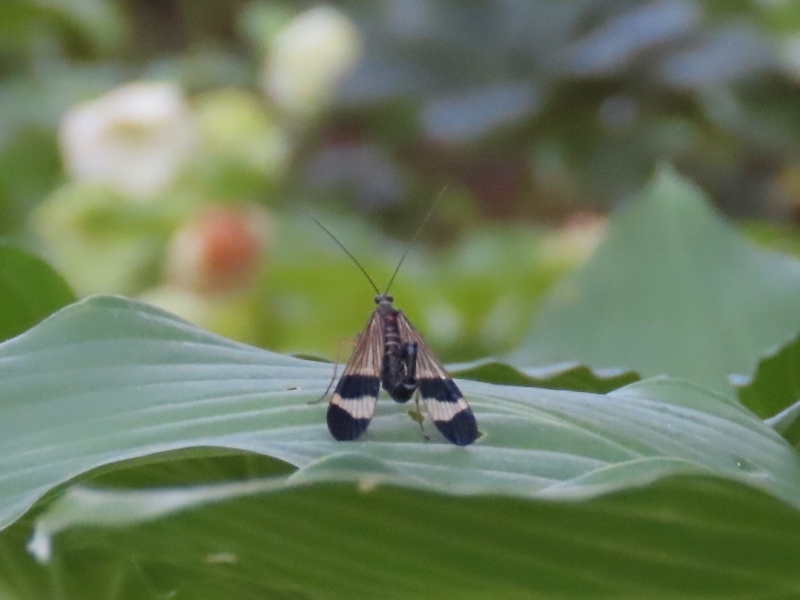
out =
column 392, row 353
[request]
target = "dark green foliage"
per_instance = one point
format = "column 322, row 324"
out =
column 29, row 291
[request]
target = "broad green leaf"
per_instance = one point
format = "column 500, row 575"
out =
column 659, row 489
column 674, row 290
column 107, row 380
column 29, row 291
column 775, row 385
column 95, row 574
column 565, row 376
column 682, row 537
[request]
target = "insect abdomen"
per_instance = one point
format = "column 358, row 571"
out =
column 398, row 374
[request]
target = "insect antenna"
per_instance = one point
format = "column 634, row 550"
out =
column 416, row 235
column 333, row 237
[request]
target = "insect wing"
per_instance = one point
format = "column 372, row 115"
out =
column 353, row 401
column 445, row 403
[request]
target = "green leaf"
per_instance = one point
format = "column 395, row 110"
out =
column 674, row 290
column 682, row 537
column 659, row 489
column 107, row 380
column 101, row 21
column 775, row 385
column 29, row 291
column 564, row 376
column 95, row 574
column 787, row 423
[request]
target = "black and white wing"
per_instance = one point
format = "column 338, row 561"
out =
column 444, row 401
column 353, row 401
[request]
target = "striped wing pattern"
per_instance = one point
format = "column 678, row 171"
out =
column 353, row 401
column 444, row 401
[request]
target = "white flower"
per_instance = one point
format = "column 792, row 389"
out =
column 135, row 139
column 308, row 58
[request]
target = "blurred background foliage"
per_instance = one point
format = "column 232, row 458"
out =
column 163, row 148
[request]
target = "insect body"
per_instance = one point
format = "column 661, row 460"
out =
column 391, row 352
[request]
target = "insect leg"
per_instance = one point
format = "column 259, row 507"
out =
column 335, row 368
column 421, row 417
